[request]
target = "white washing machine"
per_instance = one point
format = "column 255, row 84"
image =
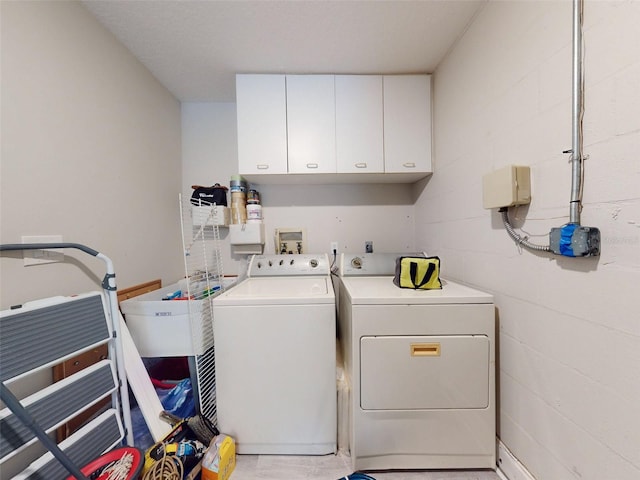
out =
column 275, row 353
column 421, row 368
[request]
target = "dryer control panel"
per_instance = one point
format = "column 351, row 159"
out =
column 371, row 264
column 289, row 265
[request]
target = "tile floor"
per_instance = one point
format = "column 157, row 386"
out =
column 333, row 467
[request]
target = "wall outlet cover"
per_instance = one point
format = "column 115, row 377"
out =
column 41, row 257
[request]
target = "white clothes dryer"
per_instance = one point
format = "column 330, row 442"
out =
column 421, row 368
column 275, row 355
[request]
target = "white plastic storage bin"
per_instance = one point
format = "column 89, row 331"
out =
column 209, row 215
column 162, row 328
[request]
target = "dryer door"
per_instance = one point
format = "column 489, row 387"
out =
column 424, row 372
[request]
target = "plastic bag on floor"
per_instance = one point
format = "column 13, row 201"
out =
column 179, row 401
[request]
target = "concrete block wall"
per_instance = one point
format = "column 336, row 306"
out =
column 569, row 329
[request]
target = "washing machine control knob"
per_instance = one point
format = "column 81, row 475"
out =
column 356, row 262
column 313, row 262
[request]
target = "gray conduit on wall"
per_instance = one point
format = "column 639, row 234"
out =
column 577, row 111
column 519, row 239
column 576, row 138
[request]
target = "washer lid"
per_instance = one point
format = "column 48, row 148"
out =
column 382, row 291
column 278, row 291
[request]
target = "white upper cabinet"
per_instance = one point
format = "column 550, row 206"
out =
column 334, row 128
column 359, row 124
column 262, row 124
column 407, row 123
column 311, row 120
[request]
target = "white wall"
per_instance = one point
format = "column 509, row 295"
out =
column 569, row 329
column 90, row 151
column 209, row 156
column 348, row 214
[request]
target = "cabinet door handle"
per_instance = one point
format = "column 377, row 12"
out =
column 409, row 165
column 361, row 165
column 312, row 165
column 262, row 166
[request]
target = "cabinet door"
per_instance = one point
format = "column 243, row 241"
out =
column 262, row 124
column 311, row 120
column 359, row 146
column 407, row 123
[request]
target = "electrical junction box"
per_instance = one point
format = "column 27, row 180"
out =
column 573, row 240
column 506, row 187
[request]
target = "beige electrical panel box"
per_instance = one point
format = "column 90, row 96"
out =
column 506, row 187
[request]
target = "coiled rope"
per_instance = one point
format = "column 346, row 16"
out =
column 167, row 468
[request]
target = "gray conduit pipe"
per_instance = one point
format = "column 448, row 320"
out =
column 518, row 239
column 576, row 138
column 577, row 111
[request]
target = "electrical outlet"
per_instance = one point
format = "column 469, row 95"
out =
column 39, row 257
column 368, row 246
column 334, row 247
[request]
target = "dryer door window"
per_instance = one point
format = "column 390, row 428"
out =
column 424, row 372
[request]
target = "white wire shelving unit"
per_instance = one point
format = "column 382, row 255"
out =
column 205, row 280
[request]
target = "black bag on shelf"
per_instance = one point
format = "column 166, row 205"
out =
column 217, row 194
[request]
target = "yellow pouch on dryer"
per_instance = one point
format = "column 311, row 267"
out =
column 418, row 273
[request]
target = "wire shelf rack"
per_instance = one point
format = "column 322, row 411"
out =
column 205, row 280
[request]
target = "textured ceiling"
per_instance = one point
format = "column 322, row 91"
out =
column 195, row 48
